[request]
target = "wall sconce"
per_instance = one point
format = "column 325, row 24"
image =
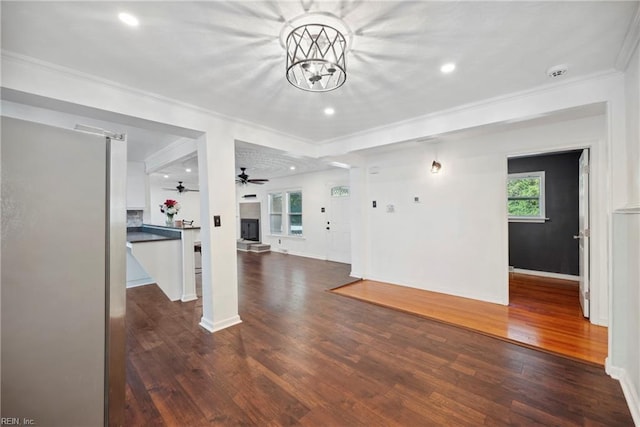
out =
column 435, row 166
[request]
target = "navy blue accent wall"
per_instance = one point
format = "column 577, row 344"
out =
column 549, row 246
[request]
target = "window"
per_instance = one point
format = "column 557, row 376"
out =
column 275, row 213
column 295, row 213
column 525, row 197
column 285, row 213
column 340, row 191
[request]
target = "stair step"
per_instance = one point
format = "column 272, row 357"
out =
column 252, row 246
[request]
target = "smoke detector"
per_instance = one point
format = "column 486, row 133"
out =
column 557, row 70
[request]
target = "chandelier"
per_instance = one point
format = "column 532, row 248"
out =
column 316, row 58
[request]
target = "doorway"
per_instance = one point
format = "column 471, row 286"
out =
column 338, row 225
column 548, row 219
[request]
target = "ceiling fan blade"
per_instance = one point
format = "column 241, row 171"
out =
column 258, row 180
column 170, row 189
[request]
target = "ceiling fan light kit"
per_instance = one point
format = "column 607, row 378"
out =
column 243, row 178
column 180, row 188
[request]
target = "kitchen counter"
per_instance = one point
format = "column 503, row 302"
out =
column 166, row 256
column 152, row 234
column 169, row 228
column 143, row 236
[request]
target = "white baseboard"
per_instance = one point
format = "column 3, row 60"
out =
column 546, row 274
column 219, row 325
column 140, row 282
column 300, row 254
column 187, row 298
column 628, row 389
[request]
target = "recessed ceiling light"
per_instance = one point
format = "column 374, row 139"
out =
column 448, row 68
column 128, row 19
column 166, row 176
column 329, row 111
column 187, row 170
column 292, row 168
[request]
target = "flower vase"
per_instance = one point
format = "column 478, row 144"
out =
column 169, row 220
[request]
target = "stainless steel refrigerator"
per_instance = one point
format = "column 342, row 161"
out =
column 62, row 269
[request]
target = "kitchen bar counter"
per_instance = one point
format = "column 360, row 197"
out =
column 143, row 236
column 150, row 233
column 169, row 228
column 167, row 255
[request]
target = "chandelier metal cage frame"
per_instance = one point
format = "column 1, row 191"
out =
column 316, row 58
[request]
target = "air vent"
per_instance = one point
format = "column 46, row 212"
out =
column 557, row 71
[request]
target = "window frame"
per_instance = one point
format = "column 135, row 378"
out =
column 272, row 213
column 286, row 213
column 344, row 191
column 290, row 214
column 540, row 175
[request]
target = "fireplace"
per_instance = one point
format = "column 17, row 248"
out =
column 250, row 229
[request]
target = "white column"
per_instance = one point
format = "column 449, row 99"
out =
column 216, row 163
column 359, row 221
column 188, row 266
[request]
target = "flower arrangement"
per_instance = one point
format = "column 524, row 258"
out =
column 170, row 207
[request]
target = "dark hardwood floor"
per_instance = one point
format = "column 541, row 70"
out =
column 304, row 356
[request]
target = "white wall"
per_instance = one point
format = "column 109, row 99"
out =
column 189, row 201
column 315, row 195
column 624, row 358
column 632, row 92
column 455, row 239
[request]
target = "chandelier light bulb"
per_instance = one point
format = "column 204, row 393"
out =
column 316, row 58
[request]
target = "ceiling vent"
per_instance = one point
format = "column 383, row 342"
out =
column 557, row 71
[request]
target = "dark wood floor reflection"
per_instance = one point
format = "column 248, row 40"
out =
column 304, row 356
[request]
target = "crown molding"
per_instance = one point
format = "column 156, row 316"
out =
column 6, row 55
column 630, row 42
column 601, row 75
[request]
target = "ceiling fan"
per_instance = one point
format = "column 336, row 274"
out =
column 243, row 179
column 180, row 188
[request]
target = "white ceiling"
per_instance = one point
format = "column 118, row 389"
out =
column 226, row 56
column 260, row 162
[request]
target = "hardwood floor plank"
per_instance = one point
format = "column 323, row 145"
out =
column 304, row 356
column 542, row 313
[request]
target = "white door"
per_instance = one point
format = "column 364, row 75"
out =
column 338, row 226
column 583, row 232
